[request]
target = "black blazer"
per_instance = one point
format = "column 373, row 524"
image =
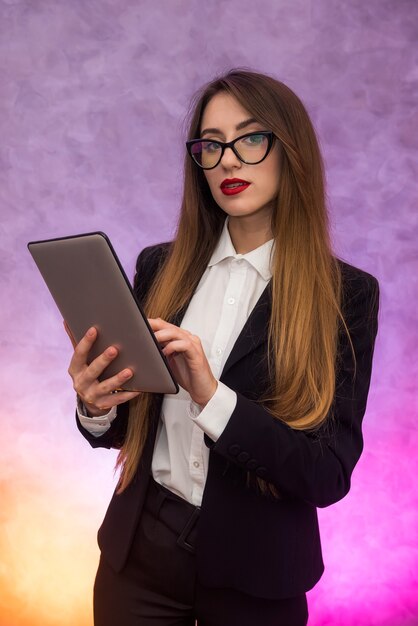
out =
column 248, row 541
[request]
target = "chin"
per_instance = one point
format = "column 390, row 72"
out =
column 238, row 211
column 235, row 207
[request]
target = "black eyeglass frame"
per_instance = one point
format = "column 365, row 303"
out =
column 231, row 144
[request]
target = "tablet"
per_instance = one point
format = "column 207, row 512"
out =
column 90, row 288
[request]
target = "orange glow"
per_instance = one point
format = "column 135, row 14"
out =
column 48, row 557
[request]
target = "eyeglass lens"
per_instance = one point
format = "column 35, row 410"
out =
column 250, row 149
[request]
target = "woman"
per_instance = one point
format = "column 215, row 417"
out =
column 271, row 340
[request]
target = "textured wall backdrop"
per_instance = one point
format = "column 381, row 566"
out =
column 93, row 94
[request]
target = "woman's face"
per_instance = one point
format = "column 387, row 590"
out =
column 224, row 119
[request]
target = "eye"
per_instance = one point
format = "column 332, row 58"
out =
column 254, row 140
column 210, row 146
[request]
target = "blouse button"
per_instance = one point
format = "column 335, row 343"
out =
column 231, row 300
column 196, row 463
column 219, row 351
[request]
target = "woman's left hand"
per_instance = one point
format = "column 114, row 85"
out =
column 187, row 360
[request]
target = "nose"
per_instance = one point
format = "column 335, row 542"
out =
column 230, row 159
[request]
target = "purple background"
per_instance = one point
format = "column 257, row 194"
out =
column 92, row 98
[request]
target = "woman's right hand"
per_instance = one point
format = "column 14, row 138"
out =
column 98, row 397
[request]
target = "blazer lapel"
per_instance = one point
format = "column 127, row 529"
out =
column 254, row 331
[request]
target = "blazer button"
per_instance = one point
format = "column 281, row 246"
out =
column 234, row 450
column 243, row 457
column 261, row 471
column 252, row 464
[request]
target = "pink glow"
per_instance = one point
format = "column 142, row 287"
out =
column 90, row 94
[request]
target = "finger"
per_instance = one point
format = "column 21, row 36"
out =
column 173, row 332
column 96, row 368
column 105, row 403
column 183, row 346
column 158, row 324
column 165, row 332
column 114, row 383
column 82, row 349
column 93, row 393
column 168, row 334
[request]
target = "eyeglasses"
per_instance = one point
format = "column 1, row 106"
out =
column 251, row 149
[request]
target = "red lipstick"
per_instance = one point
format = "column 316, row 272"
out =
column 232, row 186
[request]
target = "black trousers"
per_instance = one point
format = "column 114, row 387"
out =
column 159, row 587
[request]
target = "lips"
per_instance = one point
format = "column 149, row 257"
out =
column 232, row 186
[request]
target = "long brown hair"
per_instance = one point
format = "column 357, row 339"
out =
column 306, row 282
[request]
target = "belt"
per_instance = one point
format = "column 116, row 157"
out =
column 175, row 512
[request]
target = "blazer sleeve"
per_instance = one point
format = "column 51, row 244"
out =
column 148, row 263
column 314, row 466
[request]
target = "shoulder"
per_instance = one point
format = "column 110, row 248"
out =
column 148, row 263
column 360, row 293
column 356, row 281
column 152, row 257
column 354, row 277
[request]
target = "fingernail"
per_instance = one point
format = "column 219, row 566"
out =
column 110, row 352
column 91, row 332
column 126, row 374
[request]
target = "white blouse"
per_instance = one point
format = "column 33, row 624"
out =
column 218, row 310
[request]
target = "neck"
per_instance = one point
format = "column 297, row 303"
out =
column 248, row 232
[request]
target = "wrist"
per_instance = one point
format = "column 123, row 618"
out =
column 96, row 412
column 203, row 400
column 89, row 410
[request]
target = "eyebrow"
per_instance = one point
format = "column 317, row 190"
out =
column 216, row 131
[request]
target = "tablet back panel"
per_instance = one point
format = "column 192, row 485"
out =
column 90, row 288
